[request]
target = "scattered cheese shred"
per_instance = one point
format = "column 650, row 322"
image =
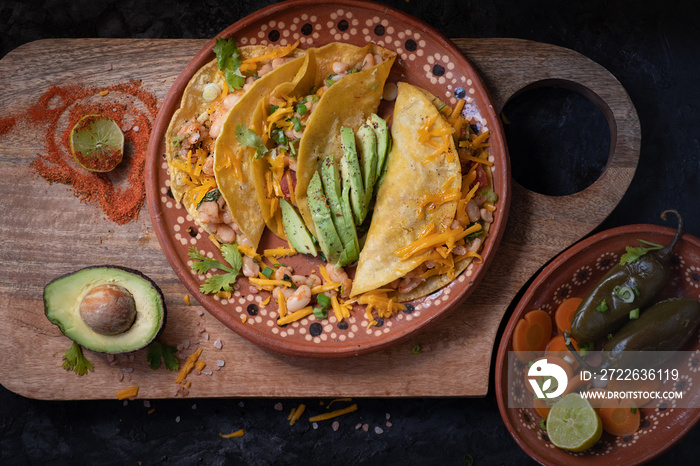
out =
column 327, row 287
column 265, row 301
column 279, row 252
column 250, row 252
column 296, row 414
column 268, row 282
column 277, row 53
column 200, row 365
column 130, row 392
column 435, row 239
column 282, row 304
column 188, row 365
column 336, row 308
column 332, row 414
column 187, row 299
column 238, row 433
column 294, row 316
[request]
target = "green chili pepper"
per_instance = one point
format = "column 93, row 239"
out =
column 648, row 274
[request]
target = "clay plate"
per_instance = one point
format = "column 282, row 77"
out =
column 426, row 58
column 573, row 274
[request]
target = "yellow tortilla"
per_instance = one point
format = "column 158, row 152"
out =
column 347, row 102
column 233, row 167
column 192, row 106
column 412, row 173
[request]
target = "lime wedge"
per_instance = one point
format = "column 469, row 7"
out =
column 573, row 424
column 97, row 143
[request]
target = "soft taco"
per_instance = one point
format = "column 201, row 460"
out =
column 433, row 208
column 236, row 79
column 299, row 123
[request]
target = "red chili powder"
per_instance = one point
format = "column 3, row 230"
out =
column 6, row 124
column 120, row 204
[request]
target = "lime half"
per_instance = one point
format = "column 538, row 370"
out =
column 573, row 424
column 97, row 143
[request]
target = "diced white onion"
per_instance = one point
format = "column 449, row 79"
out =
column 211, row 91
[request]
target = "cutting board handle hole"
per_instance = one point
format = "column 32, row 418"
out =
column 548, row 128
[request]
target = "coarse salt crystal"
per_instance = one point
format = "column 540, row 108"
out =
column 365, row 427
column 206, row 336
column 279, row 407
column 389, row 424
column 200, row 312
column 108, row 67
column 388, row 416
column 378, row 430
column 177, row 419
column 315, row 425
column 186, row 344
column 136, row 128
column 207, row 372
column 120, row 376
column 146, row 404
column 110, row 357
column 335, row 425
column 194, row 406
column 127, row 369
column 218, row 344
column 358, row 426
column 220, row 362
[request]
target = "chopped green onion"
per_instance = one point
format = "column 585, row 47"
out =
column 633, row 410
column 543, row 424
column 625, row 293
column 273, row 108
column 610, row 335
column 602, row 307
column 636, row 290
column 634, row 314
column 321, row 312
column 585, row 348
column 416, row 349
column 301, row 109
column 323, row 300
column 268, row 271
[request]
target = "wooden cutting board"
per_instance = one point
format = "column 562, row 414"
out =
column 46, row 231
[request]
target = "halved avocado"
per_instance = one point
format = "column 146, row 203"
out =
column 112, row 327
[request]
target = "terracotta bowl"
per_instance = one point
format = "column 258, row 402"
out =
column 574, row 273
column 426, row 58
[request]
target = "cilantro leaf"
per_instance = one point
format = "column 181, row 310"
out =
column 634, row 253
column 248, row 137
column 158, row 351
column 210, row 196
column 218, row 282
column 228, row 57
column 75, row 361
column 233, row 256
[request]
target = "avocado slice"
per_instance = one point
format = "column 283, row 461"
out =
column 296, row 230
column 381, row 130
column 352, row 175
column 351, row 252
column 327, row 236
column 368, row 160
column 93, row 307
column 343, row 221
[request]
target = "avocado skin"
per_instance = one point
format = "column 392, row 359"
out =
column 49, row 308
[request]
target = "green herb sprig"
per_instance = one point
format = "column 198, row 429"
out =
column 159, row 353
column 74, row 360
column 219, row 282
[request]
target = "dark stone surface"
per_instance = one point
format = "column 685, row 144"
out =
column 651, row 47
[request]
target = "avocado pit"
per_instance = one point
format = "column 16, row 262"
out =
column 108, row 309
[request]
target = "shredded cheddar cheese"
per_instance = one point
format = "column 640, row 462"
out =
column 238, row 433
column 188, row 365
column 296, row 414
column 130, row 392
column 279, row 252
column 332, row 414
column 294, row 316
column 276, row 53
column 435, row 239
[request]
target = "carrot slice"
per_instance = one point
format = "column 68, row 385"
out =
column 531, row 335
column 564, row 314
column 619, row 417
column 542, row 407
